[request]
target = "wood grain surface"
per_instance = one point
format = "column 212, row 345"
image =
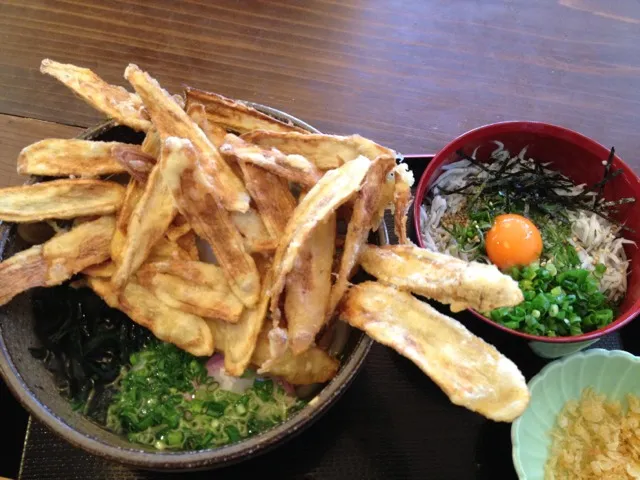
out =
column 409, row 74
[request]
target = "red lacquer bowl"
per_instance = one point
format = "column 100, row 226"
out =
column 577, row 157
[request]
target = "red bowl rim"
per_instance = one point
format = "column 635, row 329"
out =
column 503, row 127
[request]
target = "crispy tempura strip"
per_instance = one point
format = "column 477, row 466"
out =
column 56, row 260
column 254, row 232
column 71, row 252
column 180, row 232
column 324, row 151
column 309, row 287
column 188, row 243
column 334, row 188
column 294, row 168
column 132, row 196
column 238, row 340
column 149, row 221
column 273, row 198
column 386, row 200
column 134, row 161
column 179, row 99
column 165, row 249
column 192, row 193
column 213, row 300
column 65, row 157
column 214, row 132
column 178, row 228
column 234, row 115
column 365, row 209
column 402, row 200
column 171, row 120
column 124, row 107
column 311, row 366
column 21, row 272
column 152, row 143
column 187, row 331
column 135, row 190
column 202, row 273
column 60, row 199
column 471, row 372
column 441, row 277
column 101, row 270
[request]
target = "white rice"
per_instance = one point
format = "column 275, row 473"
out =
column 595, row 239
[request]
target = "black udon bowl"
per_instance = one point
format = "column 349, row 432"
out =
column 34, row 386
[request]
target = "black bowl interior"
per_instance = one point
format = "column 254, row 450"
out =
column 34, row 385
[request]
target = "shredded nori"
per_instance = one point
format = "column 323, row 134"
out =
column 85, row 344
column 536, row 188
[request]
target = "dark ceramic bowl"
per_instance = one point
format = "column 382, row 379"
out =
column 579, row 158
column 34, row 386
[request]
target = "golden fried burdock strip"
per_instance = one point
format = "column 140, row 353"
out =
column 365, row 209
column 56, row 260
column 238, row 340
column 402, row 200
column 124, row 107
column 178, row 228
column 309, row 286
column 60, row 199
column 165, row 249
column 294, row 168
column 324, row 151
column 171, row 120
column 195, row 287
column 152, row 143
column 334, row 189
column 273, row 198
column 311, row 366
column 134, row 161
column 182, row 172
column 100, row 270
column 251, row 226
column 133, row 193
column 441, row 277
column 56, row 157
column 185, row 330
column 214, row 132
column 234, row 115
column 149, row 221
column 471, row 372
column 188, row 243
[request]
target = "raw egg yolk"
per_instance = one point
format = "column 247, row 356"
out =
column 513, row 241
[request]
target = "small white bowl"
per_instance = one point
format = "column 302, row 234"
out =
column 614, row 373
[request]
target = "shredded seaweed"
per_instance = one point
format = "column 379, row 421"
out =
column 537, row 189
column 85, row 344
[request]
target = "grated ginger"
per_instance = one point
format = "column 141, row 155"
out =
column 595, row 439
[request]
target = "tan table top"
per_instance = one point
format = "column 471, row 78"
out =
column 411, row 75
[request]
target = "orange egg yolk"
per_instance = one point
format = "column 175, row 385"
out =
column 513, row 241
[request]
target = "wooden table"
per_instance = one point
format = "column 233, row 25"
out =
column 409, row 74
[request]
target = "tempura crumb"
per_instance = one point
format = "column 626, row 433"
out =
column 595, row 439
